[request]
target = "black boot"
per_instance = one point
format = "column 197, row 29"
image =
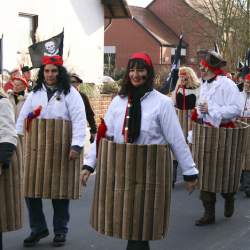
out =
column 245, row 182
column 247, row 192
column 208, row 200
column 229, row 204
column 208, row 216
column 34, row 238
column 175, row 165
column 59, row 240
column 138, row 245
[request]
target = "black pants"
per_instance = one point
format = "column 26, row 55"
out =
column 138, row 245
column 211, row 197
column 37, row 219
column 245, row 180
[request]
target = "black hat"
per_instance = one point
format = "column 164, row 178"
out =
column 26, row 68
column 77, row 77
column 213, row 58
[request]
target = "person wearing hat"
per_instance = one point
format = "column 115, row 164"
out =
column 142, row 115
column 219, row 104
column 18, row 94
column 245, row 176
column 26, row 74
column 58, row 100
column 76, row 81
column 9, row 85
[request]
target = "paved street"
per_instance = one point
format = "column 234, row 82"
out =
column 228, row 234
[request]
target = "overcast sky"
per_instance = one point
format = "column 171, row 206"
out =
column 141, row 3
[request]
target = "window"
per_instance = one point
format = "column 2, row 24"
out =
column 183, row 55
column 28, row 24
column 109, row 60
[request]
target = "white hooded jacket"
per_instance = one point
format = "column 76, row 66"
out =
column 64, row 107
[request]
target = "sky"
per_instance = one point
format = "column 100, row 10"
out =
column 141, row 3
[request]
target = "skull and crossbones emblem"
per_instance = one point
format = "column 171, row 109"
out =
column 51, row 49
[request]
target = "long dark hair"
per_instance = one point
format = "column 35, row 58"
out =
column 63, row 80
column 138, row 64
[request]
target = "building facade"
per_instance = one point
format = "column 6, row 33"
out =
column 23, row 22
column 156, row 29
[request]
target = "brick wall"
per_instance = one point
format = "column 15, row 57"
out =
column 180, row 17
column 100, row 105
column 129, row 37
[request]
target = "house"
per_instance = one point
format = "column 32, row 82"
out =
column 24, row 22
column 156, row 29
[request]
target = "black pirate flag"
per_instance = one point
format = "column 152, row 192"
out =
column 50, row 47
column 172, row 78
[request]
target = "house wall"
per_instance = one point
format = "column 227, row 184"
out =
column 83, row 23
column 129, row 37
column 180, row 17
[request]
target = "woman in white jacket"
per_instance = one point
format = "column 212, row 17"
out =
column 150, row 119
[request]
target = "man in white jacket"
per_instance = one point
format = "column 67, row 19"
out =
column 220, row 103
column 59, row 100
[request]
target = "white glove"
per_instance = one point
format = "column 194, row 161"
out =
column 190, row 136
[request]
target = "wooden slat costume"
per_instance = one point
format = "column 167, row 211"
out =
column 48, row 172
column 134, row 170
column 11, row 193
column 10, row 170
column 185, row 120
column 132, row 191
column 219, row 153
column 246, row 158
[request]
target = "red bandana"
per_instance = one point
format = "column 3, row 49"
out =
column 216, row 71
column 247, row 77
column 143, row 56
column 23, row 80
column 55, row 60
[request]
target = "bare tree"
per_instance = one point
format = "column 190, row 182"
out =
column 231, row 21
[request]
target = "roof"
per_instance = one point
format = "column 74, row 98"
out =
column 116, row 9
column 203, row 7
column 155, row 27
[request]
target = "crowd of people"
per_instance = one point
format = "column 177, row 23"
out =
column 139, row 114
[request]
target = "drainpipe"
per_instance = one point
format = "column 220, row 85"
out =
column 110, row 22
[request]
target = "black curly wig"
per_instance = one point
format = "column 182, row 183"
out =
column 63, row 80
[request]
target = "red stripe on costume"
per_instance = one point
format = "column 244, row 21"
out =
column 226, row 125
column 194, row 115
column 101, row 133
